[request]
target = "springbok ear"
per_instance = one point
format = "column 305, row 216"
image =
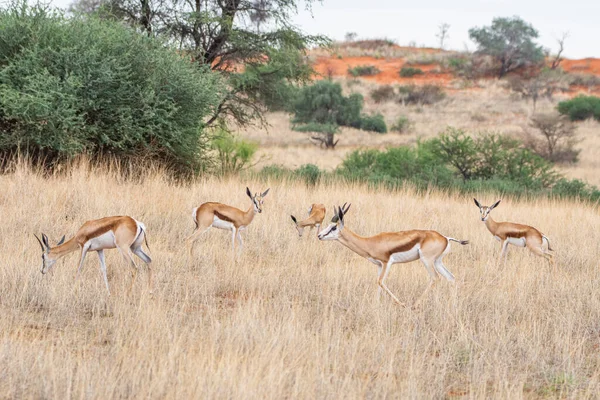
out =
column 41, row 244
column 341, row 214
column 265, row 192
column 248, row 192
column 336, row 215
column 45, row 240
column 495, row 204
column 61, row 241
column 294, row 219
column 477, row 203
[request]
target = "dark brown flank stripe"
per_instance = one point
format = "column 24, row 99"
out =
column 111, row 226
column 517, row 235
column 222, row 217
column 405, row 246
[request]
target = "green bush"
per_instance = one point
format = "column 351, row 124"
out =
column 382, row 94
column 407, row 72
column 401, row 125
column 324, row 103
column 315, row 127
column 309, row 173
column 70, row 86
column 363, row 70
column 234, row 154
column 580, row 108
column 492, row 156
column 323, row 106
column 373, row 123
column 456, row 161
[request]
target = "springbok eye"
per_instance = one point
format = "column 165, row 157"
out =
column 334, row 228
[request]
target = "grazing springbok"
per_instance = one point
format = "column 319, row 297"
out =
column 516, row 234
column 222, row 216
column 316, row 215
column 388, row 248
column 123, row 233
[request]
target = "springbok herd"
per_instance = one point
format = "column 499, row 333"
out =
column 385, row 249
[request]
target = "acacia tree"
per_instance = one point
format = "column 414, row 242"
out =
column 442, row 34
column 510, row 41
column 218, row 35
column 561, row 47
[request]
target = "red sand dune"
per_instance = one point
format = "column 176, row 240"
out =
column 585, row 65
column 390, row 67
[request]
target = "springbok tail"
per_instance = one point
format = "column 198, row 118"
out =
column 194, row 216
column 463, row 242
column 143, row 230
column 544, row 237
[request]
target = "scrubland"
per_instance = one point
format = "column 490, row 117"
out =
column 486, row 107
column 291, row 317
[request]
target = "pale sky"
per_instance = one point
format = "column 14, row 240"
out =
column 407, row 21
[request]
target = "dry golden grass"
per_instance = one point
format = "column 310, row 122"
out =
column 292, row 317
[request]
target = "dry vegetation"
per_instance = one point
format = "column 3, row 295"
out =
column 487, row 107
column 292, row 317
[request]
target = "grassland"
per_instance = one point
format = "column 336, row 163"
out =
column 291, row 317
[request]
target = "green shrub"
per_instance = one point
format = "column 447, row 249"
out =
column 580, row 108
column 363, row 70
column 234, row 154
column 324, row 103
column 401, row 125
column 424, row 94
column 407, row 72
column 70, row 86
column 457, row 161
column 492, row 156
column 322, row 107
column 383, row 93
column 309, row 173
column 373, row 123
column 315, row 127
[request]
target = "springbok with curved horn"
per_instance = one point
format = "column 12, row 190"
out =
column 515, row 234
column 225, row 217
column 388, row 248
column 123, row 233
column 316, row 215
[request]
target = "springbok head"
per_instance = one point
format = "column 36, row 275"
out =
column 48, row 260
column 257, row 199
column 485, row 210
column 333, row 230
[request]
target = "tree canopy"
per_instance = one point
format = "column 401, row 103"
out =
column 510, row 41
column 221, row 35
column 70, row 86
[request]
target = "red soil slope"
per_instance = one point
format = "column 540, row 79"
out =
column 330, row 65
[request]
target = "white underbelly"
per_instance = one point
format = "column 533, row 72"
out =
column 517, row 241
column 405, row 256
column 220, row 224
column 104, row 241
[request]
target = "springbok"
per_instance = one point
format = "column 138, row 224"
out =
column 316, row 215
column 225, row 217
column 388, row 248
column 121, row 232
column 516, row 234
